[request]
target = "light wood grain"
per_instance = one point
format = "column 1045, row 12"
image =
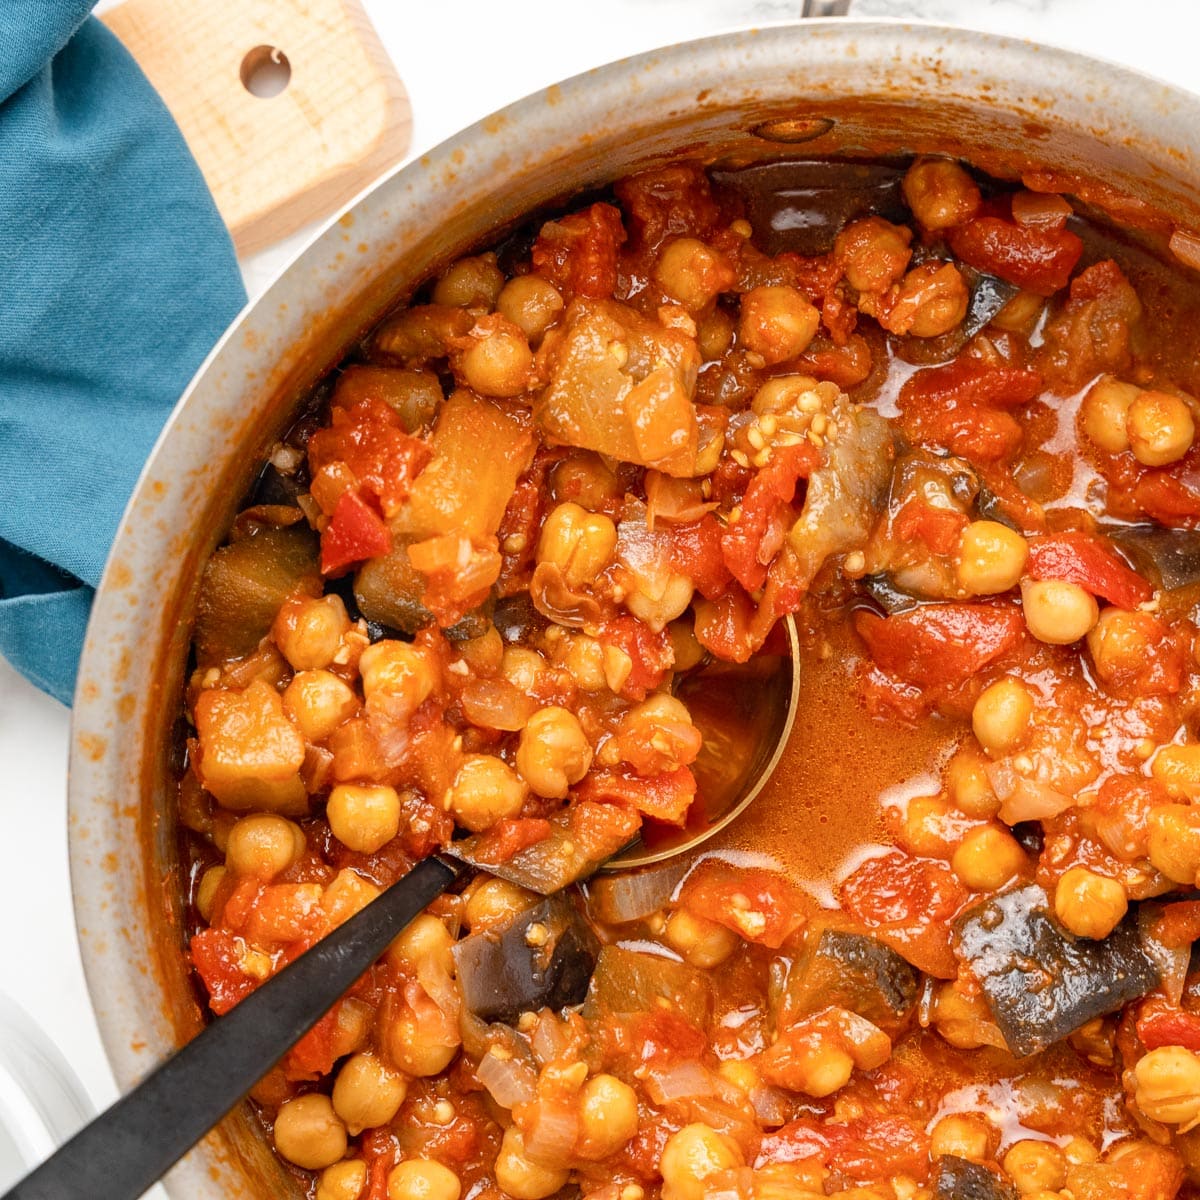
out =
column 273, row 164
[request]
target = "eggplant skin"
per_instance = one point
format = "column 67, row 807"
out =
column 1040, row 982
column 854, row 972
column 961, row 1179
column 544, row 958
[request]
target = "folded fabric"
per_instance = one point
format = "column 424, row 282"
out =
column 116, row 277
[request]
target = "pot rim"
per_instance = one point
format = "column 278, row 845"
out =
column 112, row 704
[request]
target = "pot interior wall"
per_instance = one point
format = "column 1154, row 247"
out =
column 826, row 90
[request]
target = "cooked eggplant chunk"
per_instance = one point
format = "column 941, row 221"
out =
column 854, row 972
column 244, row 585
column 631, row 983
column 1041, row 983
column 543, row 959
column 961, row 1179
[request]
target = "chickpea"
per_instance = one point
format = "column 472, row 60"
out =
column 523, row 668
column 309, row 631
column 553, row 753
column 608, row 1115
column 1020, row 314
column 658, row 611
column 422, row 1179
column 1167, row 1085
column 926, row 825
column 1036, row 1166
column 584, row 660
column 485, row 790
column 930, row 300
column 1119, row 642
column 1089, row 905
column 483, row 654
column 1001, row 716
column 693, row 273
column 969, row 787
column 714, row 334
column 691, row 1156
column 1079, row 1150
column 519, row 1176
column 1057, row 612
column 347, row 895
column 699, row 941
column 262, row 845
column 397, row 674
column 657, row 735
column 1177, row 768
column 345, row 1180
column 318, row 702
column 873, row 253
column 1174, row 841
column 821, row 1070
column 686, row 649
column 777, row 322
column 425, row 940
column 363, row 817
column 498, row 363
column 578, row 542
column 940, row 193
column 418, row 1043
column 470, row 283
column 1160, row 428
column 531, row 304
column 1104, row 413
column 987, row 858
column 991, row 558
column 962, row 1018
column 309, row 1133
column 367, row 1093
column 961, row 1136
column 206, row 892
column 492, row 904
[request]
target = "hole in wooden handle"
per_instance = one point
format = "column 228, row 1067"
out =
column 265, row 72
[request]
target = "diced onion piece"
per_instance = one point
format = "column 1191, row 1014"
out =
column 509, row 1080
column 550, row 1139
column 1172, row 961
column 680, row 1081
column 632, row 895
column 1040, row 210
column 1185, row 245
column 1023, row 799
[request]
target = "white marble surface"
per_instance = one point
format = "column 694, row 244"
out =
column 459, row 64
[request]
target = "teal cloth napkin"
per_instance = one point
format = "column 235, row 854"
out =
column 116, row 278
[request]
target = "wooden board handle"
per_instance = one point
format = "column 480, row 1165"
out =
column 273, row 163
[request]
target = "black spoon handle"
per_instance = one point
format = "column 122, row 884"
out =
column 128, row 1146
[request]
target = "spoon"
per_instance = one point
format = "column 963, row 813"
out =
column 131, row 1144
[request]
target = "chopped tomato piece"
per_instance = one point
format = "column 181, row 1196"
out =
column 600, row 830
column 216, row 955
column 666, row 797
column 670, row 201
column 959, row 406
column 355, row 532
column 369, row 437
column 908, row 903
column 649, row 652
column 509, row 836
column 1178, row 925
column 696, row 553
column 755, row 537
column 866, row 1149
column 939, row 528
column 940, row 643
column 313, row 1055
column 1078, row 557
column 758, row 905
column 578, row 253
column 1159, row 1024
column 1038, row 260
column 725, row 626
